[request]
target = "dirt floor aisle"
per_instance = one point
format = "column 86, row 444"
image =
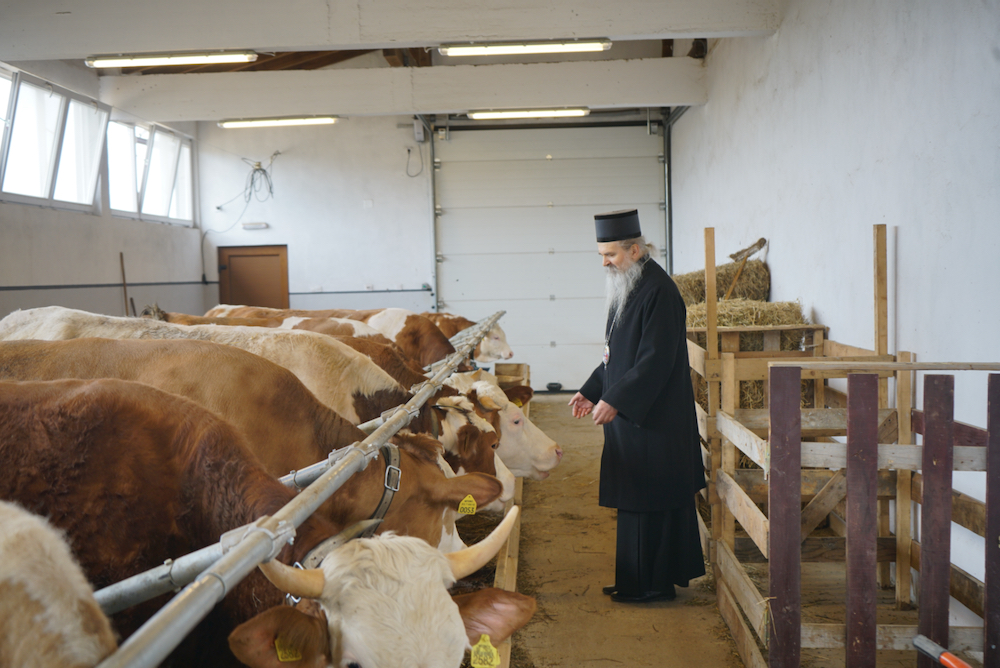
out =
column 567, row 555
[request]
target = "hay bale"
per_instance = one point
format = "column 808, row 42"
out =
column 754, row 282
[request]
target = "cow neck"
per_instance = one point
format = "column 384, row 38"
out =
column 390, row 485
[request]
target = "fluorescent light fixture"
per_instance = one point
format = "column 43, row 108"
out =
column 164, row 59
column 277, row 122
column 528, row 113
column 521, row 48
column 255, row 226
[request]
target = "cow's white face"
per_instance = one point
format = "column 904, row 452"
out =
column 494, row 346
column 524, row 448
column 388, row 603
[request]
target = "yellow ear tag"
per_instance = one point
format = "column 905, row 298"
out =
column 467, row 506
column 518, row 403
column 285, row 652
column 484, row 654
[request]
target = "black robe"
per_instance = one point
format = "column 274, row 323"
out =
column 652, row 459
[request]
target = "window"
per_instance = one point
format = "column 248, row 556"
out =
column 53, row 146
column 150, row 173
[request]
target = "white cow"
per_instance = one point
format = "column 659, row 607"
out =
column 524, row 448
column 48, row 615
column 386, row 605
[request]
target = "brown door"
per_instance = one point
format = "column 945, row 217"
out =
column 254, row 276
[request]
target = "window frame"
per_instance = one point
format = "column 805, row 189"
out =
column 142, row 180
column 49, row 201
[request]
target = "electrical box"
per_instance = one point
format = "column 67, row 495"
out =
column 418, row 130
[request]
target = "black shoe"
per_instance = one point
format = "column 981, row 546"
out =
column 648, row 597
column 609, row 590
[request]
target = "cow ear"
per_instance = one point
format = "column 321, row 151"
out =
column 495, row 612
column 482, row 487
column 519, row 394
column 282, row 637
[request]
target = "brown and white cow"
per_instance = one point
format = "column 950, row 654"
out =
column 492, row 348
column 416, row 336
column 135, row 476
column 288, row 429
column 338, row 375
column 524, row 448
column 48, row 615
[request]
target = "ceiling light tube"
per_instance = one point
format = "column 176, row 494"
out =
column 277, row 122
column 522, row 48
column 166, row 59
column 528, row 113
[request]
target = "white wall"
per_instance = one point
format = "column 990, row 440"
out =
column 352, row 219
column 853, row 114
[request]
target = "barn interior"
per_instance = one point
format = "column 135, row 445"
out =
column 802, row 123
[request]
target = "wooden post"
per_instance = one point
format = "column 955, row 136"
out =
column 991, row 595
column 882, row 348
column 862, row 488
column 730, row 400
column 784, row 498
column 935, row 515
column 712, row 353
column 819, row 385
column 904, row 480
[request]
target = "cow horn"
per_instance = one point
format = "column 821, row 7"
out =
column 487, row 400
column 471, row 559
column 303, row 583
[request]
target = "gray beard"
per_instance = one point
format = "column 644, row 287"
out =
column 619, row 284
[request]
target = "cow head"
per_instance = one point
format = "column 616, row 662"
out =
column 470, row 444
column 386, row 604
column 494, row 346
column 524, row 448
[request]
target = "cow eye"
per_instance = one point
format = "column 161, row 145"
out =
column 354, row 664
column 517, row 421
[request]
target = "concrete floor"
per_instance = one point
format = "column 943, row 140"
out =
column 567, row 555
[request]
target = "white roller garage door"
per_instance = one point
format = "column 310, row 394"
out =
column 516, row 233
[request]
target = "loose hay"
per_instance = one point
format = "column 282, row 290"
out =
column 754, row 282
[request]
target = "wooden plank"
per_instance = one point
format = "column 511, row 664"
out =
column 745, row 643
column 823, row 503
column 965, row 589
column 703, row 428
column 904, row 512
column 890, row 456
column 965, row 510
column 838, row 349
column 749, row 443
column 835, row 398
column 881, row 284
column 754, row 483
column 888, row 427
column 696, row 357
column 965, row 434
column 935, row 514
column 815, row 549
column 862, row 481
column 705, row 534
column 991, row 594
column 744, row 591
column 760, row 328
column 871, row 365
column 744, row 510
column 890, row 637
column 816, row 422
column 819, row 384
column 784, row 648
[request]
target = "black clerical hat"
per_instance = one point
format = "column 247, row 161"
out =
column 617, row 225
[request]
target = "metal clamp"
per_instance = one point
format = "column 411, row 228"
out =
column 283, row 534
column 394, row 473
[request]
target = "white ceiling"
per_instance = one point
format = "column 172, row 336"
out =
column 72, row 30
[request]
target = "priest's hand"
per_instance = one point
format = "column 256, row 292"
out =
column 604, row 413
column 581, row 405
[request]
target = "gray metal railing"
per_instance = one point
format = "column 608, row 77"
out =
column 241, row 550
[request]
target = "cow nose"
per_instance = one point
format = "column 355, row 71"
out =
column 509, row 355
column 559, row 453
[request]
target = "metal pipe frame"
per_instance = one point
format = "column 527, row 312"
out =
column 253, row 544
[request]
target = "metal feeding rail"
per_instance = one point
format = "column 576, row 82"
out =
column 220, row 567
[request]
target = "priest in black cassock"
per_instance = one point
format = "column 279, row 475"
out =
column 651, row 467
